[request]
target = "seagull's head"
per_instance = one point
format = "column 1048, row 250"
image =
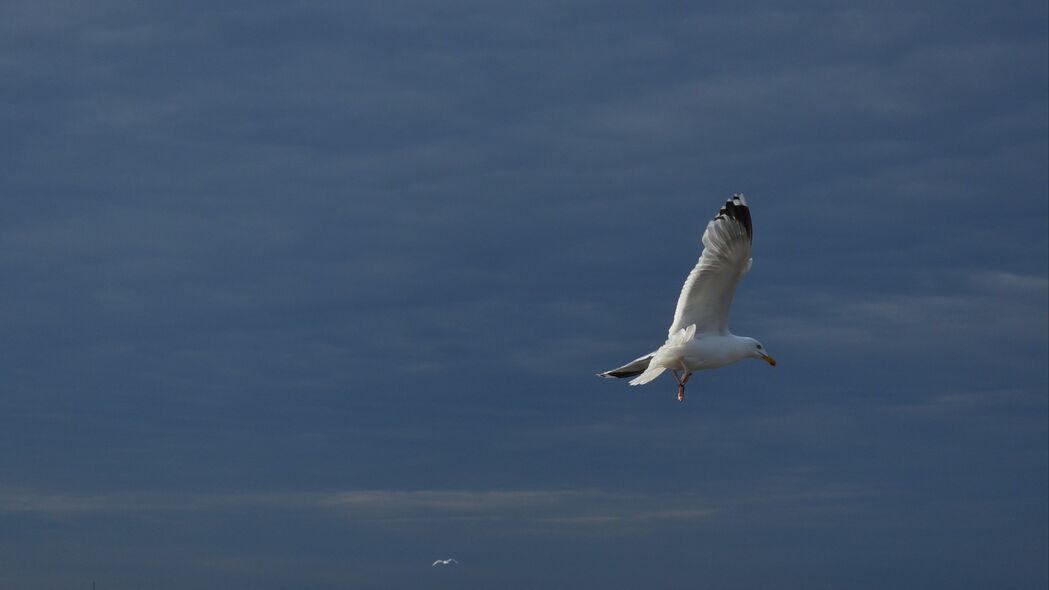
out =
column 758, row 351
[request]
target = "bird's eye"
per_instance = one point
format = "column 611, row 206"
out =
column 759, row 347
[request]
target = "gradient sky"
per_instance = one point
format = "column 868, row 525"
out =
column 309, row 295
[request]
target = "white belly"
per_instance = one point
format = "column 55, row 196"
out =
column 710, row 352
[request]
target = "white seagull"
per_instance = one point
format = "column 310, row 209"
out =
column 699, row 338
column 444, row 562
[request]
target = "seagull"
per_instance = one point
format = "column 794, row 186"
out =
column 699, row 338
column 444, row 562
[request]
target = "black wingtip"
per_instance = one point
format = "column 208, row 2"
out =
column 736, row 208
column 619, row 374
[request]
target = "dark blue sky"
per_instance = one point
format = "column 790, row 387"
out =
column 308, row 295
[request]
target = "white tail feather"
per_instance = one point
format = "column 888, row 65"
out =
column 650, row 373
column 668, row 351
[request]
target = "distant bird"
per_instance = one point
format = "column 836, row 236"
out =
column 699, row 338
column 444, row 562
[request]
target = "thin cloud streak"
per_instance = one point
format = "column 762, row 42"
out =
column 514, row 509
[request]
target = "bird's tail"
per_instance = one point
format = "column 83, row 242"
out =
column 631, row 369
column 643, row 370
column 650, row 373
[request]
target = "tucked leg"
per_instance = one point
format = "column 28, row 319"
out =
column 682, row 381
column 681, row 386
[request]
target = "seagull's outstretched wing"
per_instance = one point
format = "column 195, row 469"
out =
column 707, row 295
column 445, row 562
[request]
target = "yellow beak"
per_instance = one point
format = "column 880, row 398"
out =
column 769, row 359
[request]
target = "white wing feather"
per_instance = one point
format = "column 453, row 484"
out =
column 707, row 295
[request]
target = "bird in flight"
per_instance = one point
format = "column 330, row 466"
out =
column 699, row 338
column 444, row 562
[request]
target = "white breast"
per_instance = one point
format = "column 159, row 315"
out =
column 713, row 351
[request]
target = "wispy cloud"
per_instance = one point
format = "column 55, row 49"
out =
column 510, row 509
